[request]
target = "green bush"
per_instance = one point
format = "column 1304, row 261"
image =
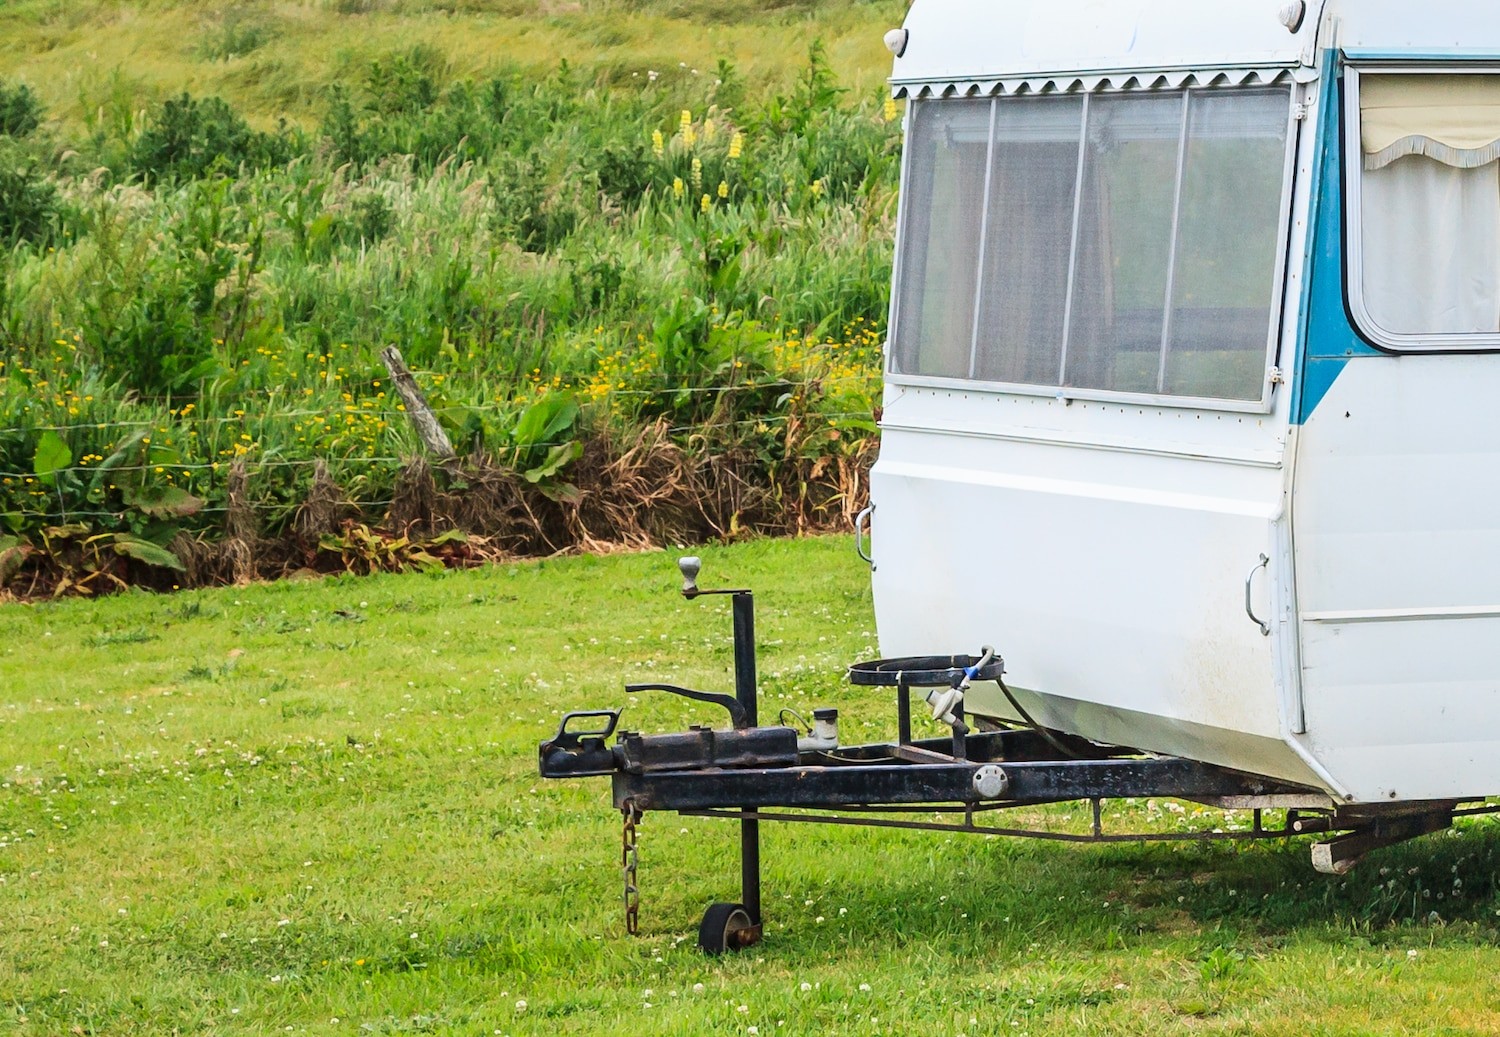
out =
column 188, row 138
column 20, row 111
column 28, row 205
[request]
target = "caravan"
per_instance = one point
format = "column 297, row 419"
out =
column 1192, row 420
column 1193, row 398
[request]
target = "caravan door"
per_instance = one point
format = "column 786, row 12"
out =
column 1396, row 511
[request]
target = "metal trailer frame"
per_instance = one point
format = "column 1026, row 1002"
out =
column 751, row 774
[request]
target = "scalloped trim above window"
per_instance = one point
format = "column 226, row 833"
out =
column 1114, row 82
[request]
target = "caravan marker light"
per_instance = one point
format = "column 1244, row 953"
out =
column 1292, row 15
column 896, row 41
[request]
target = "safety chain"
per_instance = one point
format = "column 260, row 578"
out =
column 629, row 861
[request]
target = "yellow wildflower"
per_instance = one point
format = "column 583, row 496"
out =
column 736, row 145
column 723, row 189
column 678, row 187
column 705, row 203
column 658, row 145
column 891, row 110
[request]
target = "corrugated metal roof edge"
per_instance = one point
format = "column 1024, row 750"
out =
column 1070, row 83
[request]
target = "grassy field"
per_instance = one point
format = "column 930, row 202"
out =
column 275, row 59
column 312, row 807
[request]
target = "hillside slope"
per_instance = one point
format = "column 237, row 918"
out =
column 273, row 58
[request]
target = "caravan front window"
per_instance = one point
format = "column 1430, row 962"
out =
column 1113, row 243
column 1426, row 163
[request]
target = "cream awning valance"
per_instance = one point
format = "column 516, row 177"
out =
column 1453, row 119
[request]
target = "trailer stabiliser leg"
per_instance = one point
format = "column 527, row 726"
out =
column 1337, row 856
column 725, row 926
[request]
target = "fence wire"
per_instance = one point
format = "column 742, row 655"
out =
column 337, row 465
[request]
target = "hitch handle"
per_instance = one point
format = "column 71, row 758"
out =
column 737, row 714
column 588, row 714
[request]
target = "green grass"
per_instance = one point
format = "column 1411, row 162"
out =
column 244, row 810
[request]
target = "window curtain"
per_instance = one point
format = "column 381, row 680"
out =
column 1430, row 199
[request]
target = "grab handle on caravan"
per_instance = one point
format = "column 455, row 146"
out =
column 861, row 521
column 1265, row 628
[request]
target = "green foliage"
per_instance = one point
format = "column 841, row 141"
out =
column 363, row 550
column 20, row 110
column 29, row 204
column 52, row 454
column 562, row 260
column 190, row 138
column 236, row 32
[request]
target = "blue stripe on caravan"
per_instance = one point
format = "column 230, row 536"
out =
column 1326, row 340
column 1441, row 54
column 1327, row 111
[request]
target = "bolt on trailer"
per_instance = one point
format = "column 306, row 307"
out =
column 1194, row 343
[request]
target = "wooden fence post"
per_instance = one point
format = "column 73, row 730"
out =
column 423, row 420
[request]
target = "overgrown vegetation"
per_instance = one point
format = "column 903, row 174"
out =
column 645, row 307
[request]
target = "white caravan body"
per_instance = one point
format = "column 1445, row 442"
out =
column 1193, row 388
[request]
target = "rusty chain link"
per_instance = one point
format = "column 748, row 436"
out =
column 629, row 862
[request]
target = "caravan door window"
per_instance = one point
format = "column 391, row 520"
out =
column 1117, row 243
column 1426, row 161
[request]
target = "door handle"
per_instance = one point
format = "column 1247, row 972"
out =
column 1265, row 628
column 860, row 522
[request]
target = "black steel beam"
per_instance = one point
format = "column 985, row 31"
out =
column 890, row 784
column 983, row 747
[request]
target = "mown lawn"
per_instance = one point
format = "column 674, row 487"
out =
column 312, row 806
